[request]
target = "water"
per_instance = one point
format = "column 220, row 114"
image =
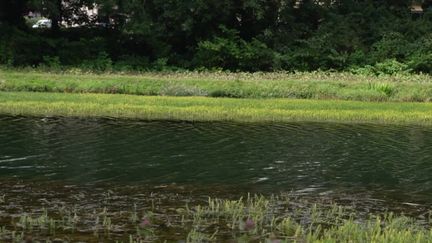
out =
column 390, row 163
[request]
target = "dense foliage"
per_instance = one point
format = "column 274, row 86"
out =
column 363, row 36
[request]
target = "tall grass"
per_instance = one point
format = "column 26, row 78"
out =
column 316, row 85
column 212, row 109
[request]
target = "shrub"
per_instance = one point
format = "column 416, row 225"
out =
column 420, row 59
column 233, row 53
column 6, row 55
column 101, row 64
column 387, row 67
column 392, row 45
column 73, row 52
column 161, row 64
column 390, row 67
column 19, row 48
column 421, row 63
column 131, row 63
column 52, row 62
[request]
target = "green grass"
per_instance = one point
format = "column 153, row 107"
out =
column 212, row 109
column 317, row 85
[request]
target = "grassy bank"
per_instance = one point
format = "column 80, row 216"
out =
column 212, row 109
column 319, row 85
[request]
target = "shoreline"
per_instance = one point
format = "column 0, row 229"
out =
column 212, row 109
column 176, row 214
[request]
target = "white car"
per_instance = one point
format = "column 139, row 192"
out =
column 43, row 23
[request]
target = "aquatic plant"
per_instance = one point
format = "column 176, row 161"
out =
column 195, row 236
column 256, row 218
column 42, row 222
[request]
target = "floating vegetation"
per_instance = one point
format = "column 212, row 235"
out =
column 164, row 215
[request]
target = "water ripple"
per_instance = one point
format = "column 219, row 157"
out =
column 305, row 157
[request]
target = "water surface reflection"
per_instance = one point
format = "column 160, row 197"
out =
column 388, row 162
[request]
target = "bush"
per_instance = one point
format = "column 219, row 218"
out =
column 318, row 52
column 19, row 48
column 131, row 63
column 392, row 45
column 421, row 63
column 421, row 58
column 73, row 52
column 233, row 53
column 6, row 55
column 101, row 64
column 387, row 67
column 52, row 62
column 390, row 67
column 161, row 64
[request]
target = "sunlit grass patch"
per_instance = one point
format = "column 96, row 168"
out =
column 212, row 109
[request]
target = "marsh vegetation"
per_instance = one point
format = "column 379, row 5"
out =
column 212, row 109
column 296, row 85
column 167, row 213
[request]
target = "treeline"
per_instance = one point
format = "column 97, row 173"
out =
column 248, row 35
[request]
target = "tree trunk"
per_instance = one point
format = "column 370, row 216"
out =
column 57, row 17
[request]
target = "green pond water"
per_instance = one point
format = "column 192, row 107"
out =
column 391, row 163
column 99, row 169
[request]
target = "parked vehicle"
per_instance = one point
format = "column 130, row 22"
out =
column 43, row 23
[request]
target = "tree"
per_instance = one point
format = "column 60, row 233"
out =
column 11, row 12
column 63, row 11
